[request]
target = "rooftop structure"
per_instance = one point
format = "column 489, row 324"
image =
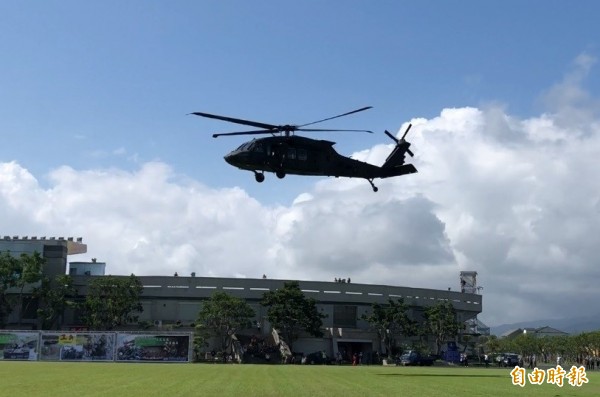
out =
column 53, row 249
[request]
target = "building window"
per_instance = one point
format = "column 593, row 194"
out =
column 344, row 316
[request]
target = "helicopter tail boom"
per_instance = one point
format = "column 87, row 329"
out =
column 396, row 158
column 398, row 170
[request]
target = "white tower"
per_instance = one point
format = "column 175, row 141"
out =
column 468, row 285
column 468, row 282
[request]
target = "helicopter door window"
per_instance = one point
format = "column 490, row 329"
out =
column 302, row 154
column 291, row 153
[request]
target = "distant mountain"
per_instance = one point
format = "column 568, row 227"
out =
column 573, row 325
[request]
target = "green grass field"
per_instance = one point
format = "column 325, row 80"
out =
column 128, row 379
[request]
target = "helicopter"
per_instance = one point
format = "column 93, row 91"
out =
column 285, row 153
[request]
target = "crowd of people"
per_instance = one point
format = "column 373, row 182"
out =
column 590, row 362
column 260, row 348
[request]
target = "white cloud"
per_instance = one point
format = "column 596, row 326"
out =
column 573, row 107
column 517, row 200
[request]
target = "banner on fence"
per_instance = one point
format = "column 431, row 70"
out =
column 19, row 345
column 153, row 347
column 80, row 346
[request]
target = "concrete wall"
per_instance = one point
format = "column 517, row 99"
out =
column 198, row 288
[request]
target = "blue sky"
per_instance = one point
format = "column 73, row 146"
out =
column 96, row 94
column 88, row 79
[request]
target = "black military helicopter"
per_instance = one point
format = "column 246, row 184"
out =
column 286, row 153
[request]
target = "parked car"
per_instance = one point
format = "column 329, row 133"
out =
column 414, row 358
column 318, row 358
column 16, row 353
column 510, row 360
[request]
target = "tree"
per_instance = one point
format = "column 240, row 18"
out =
column 112, row 301
column 563, row 346
column 9, row 271
column 583, row 345
column 526, row 344
column 18, row 273
column 222, row 316
column 441, row 322
column 54, row 296
column 390, row 320
column 489, row 343
column 30, row 272
column 290, row 312
column 546, row 347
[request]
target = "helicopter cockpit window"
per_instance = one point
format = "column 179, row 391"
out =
column 291, row 153
column 258, row 147
column 302, row 154
column 244, row 147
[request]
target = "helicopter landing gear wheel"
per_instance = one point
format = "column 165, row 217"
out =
column 280, row 174
column 375, row 189
column 259, row 176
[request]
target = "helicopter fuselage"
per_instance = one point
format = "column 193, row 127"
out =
column 297, row 155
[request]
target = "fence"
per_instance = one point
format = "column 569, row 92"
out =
column 96, row 346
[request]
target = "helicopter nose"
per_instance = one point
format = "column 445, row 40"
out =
column 232, row 158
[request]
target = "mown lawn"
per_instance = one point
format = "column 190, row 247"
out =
column 58, row 379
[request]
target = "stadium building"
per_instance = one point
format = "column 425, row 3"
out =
column 173, row 302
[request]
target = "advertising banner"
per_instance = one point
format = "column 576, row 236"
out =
column 80, row 346
column 153, row 347
column 19, row 345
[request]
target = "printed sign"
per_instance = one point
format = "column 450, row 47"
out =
column 19, row 345
column 84, row 346
column 149, row 347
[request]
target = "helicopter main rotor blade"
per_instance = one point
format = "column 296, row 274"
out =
column 237, row 121
column 256, row 132
column 406, row 132
column 335, row 117
column 327, row 130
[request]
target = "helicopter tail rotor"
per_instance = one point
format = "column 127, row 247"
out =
column 402, row 140
column 396, row 158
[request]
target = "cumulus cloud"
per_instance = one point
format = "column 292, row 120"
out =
column 517, row 200
column 150, row 222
